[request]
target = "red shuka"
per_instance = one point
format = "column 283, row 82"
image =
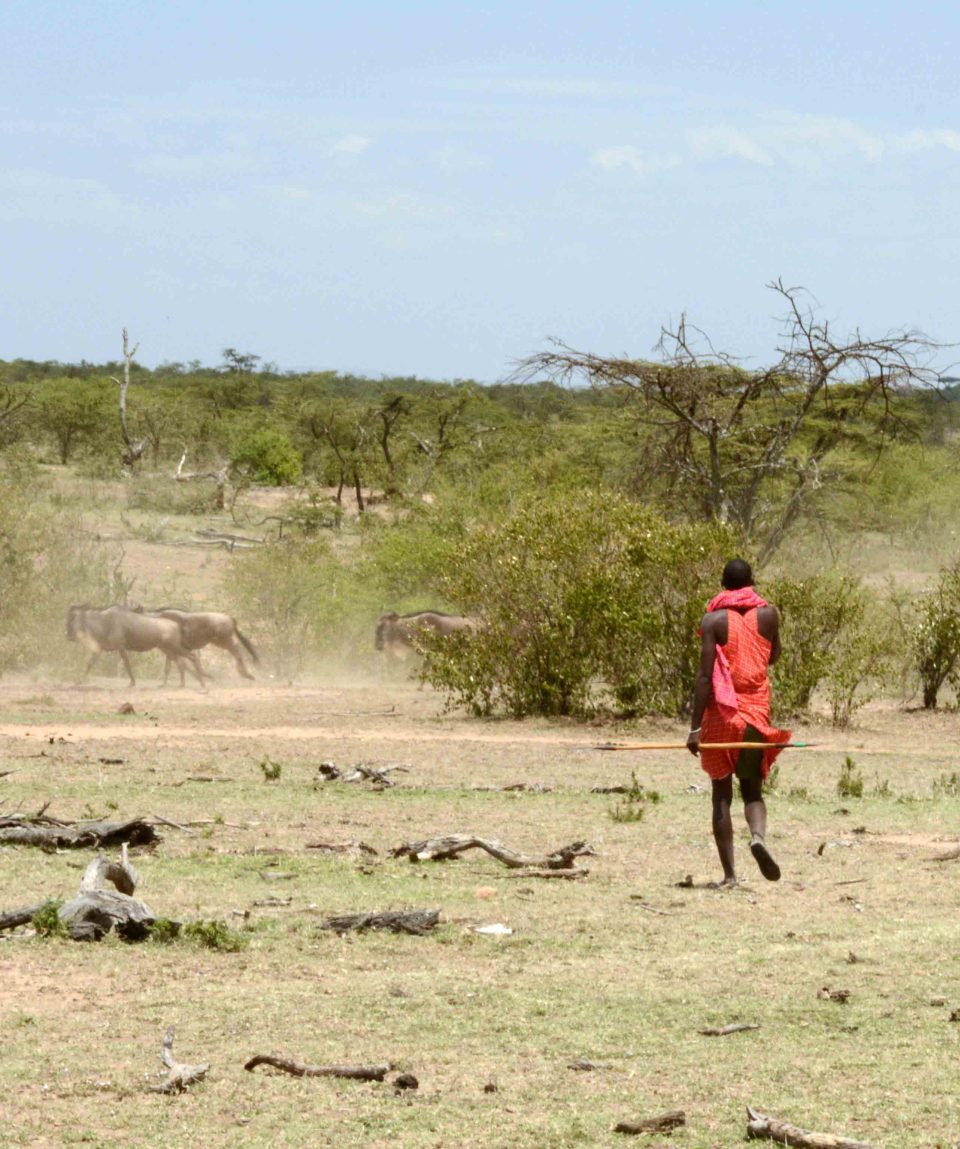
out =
column 748, row 655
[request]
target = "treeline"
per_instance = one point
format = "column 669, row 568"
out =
column 582, row 509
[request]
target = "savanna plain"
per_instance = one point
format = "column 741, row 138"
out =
column 541, row 1011
column 620, row 968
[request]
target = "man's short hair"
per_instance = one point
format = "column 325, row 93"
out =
column 736, row 575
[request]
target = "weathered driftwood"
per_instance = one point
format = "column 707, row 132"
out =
column 516, row 787
column 564, row 875
column 762, row 1125
column 96, row 911
column 662, row 1124
column 398, row 921
column 10, row 919
column 450, row 845
column 354, row 847
column 49, row 833
column 180, row 1076
column 352, row 1072
column 362, row 772
column 726, row 1030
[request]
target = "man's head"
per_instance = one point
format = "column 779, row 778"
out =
column 736, row 575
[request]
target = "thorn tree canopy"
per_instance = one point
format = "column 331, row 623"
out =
column 750, row 447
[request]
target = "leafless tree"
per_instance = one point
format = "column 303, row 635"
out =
column 750, row 447
column 133, row 451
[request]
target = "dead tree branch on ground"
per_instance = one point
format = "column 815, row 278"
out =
column 180, row 1076
column 449, row 846
column 761, row 1125
column 417, row 922
column 297, row 1069
column 662, row 1124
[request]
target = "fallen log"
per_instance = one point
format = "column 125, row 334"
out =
column 726, row 1030
column 354, row 847
column 180, row 1076
column 564, row 875
column 96, row 911
column 762, row 1125
column 416, row 922
column 50, row 834
column 10, row 919
column 662, row 1124
column 351, row 1072
column 450, row 845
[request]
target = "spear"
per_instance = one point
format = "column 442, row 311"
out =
column 704, row 745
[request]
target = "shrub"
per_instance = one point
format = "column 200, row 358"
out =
column 47, row 561
column 214, row 935
column 583, row 598
column 267, row 456
column 832, row 637
column 47, row 921
column 299, row 597
column 850, row 782
column 936, row 636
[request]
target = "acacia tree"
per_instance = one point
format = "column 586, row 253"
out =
column 750, row 447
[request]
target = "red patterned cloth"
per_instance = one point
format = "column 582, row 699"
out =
column 747, row 655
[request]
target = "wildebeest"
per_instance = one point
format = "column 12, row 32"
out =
column 117, row 628
column 207, row 628
column 397, row 633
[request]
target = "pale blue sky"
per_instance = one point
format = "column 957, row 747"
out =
column 435, row 188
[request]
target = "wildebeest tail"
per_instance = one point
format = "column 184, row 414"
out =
column 248, row 644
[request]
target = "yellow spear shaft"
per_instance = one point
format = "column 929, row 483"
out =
column 704, row 745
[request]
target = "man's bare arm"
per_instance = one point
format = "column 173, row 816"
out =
column 703, row 688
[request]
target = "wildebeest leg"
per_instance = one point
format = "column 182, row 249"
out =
column 234, row 648
column 128, row 667
column 195, row 666
column 166, row 670
column 94, row 655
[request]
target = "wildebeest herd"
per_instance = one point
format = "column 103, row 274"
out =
column 178, row 634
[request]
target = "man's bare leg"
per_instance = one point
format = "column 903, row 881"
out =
column 755, row 812
column 723, row 827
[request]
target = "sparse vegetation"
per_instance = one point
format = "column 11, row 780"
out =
column 46, row 921
column 850, row 782
column 214, row 935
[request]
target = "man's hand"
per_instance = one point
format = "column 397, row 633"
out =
column 693, row 742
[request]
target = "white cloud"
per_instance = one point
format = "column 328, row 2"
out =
column 723, row 142
column 928, row 139
column 351, row 146
column 626, row 156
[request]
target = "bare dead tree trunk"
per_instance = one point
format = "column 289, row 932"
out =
column 133, row 451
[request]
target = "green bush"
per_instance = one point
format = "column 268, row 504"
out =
column 267, row 456
column 832, row 637
column 214, row 935
column 301, row 600
column 936, row 636
column 47, row 561
column 586, row 600
column 47, row 921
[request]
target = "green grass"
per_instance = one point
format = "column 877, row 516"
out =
column 588, row 972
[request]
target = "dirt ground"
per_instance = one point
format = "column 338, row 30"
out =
column 622, row 967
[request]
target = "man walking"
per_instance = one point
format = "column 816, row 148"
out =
column 740, row 639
